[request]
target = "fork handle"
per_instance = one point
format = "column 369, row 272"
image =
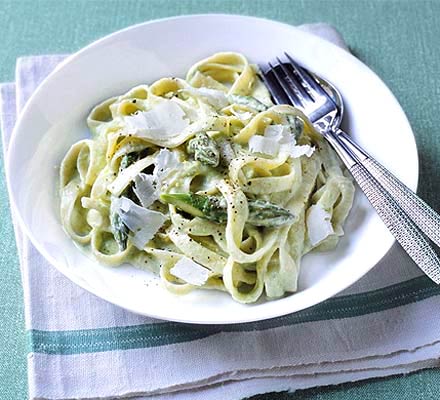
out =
column 396, row 220
column 421, row 213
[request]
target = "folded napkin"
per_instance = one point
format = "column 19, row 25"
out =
column 83, row 347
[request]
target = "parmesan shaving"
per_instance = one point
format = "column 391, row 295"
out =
column 145, row 189
column 216, row 98
column 242, row 115
column 165, row 162
column 264, row 145
column 280, row 133
column 301, row 150
column 276, row 139
column 287, row 142
column 190, row 272
column 319, row 225
column 142, row 223
column 165, row 120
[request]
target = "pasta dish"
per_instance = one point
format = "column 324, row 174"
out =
column 205, row 182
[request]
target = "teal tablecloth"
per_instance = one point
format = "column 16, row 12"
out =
column 397, row 39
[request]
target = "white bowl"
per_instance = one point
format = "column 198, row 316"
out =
column 54, row 118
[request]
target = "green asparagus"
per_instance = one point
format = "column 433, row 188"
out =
column 128, row 159
column 209, row 207
column 261, row 213
column 248, row 101
column 119, row 230
column 204, row 149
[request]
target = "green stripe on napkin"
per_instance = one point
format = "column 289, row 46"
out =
column 160, row 334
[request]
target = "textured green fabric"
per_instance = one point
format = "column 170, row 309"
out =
column 397, row 39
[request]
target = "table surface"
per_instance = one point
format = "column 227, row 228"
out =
column 397, row 39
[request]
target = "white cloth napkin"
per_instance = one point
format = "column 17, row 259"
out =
column 83, row 347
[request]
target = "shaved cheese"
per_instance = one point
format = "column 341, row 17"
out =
column 190, row 272
column 215, row 98
column 142, row 223
column 319, row 225
column 264, row 145
column 295, row 150
column 190, row 111
column 165, row 162
column 242, row 115
column 280, row 133
column 165, row 120
column 301, row 150
column 287, row 142
column 145, row 189
column 276, row 139
column 141, row 122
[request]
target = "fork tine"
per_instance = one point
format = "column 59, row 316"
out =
column 305, row 77
column 294, row 83
column 276, row 90
column 291, row 91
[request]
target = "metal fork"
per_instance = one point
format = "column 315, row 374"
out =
column 402, row 211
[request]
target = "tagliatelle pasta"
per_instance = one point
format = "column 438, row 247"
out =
column 206, row 183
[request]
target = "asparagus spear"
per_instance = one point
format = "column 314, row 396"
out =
column 128, row 159
column 204, row 149
column 248, row 101
column 209, row 207
column 261, row 213
column 119, row 230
